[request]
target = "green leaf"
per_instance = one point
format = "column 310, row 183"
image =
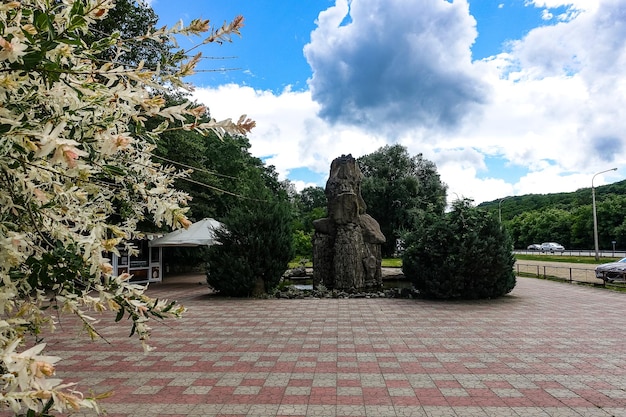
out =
column 71, row 41
column 53, row 71
column 169, row 307
column 120, row 315
column 78, row 8
column 45, row 23
column 32, row 59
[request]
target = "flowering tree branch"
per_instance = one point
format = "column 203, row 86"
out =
column 76, row 177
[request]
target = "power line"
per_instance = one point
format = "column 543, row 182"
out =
column 211, row 187
column 217, row 174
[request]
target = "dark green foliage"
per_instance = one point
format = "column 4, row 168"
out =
column 59, row 266
column 184, row 259
column 131, row 19
column 303, row 244
column 394, row 185
column 223, row 169
column 312, row 198
column 256, row 247
column 549, row 225
column 611, row 221
column 572, row 227
column 308, row 205
column 462, row 254
column 566, row 218
column 514, row 206
column 225, row 175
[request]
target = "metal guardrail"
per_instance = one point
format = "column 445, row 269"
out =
column 584, row 275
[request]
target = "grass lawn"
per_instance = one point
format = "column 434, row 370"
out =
column 397, row 262
column 392, row 263
column 386, row 263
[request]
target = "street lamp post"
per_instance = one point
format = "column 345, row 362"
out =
column 500, row 209
column 595, row 216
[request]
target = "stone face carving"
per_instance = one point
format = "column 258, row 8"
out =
column 346, row 244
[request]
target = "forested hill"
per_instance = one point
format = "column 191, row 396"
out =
column 512, row 206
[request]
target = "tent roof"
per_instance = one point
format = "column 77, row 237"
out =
column 198, row 234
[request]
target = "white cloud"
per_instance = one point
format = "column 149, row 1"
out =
column 571, row 4
column 553, row 105
column 396, row 64
column 289, row 133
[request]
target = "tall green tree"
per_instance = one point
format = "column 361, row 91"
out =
column 611, row 221
column 224, row 176
column 308, row 205
column 223, row 170
column 396, row 184
column 311, row 198
column 581, row 228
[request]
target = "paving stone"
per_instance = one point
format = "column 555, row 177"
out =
column 541, row 351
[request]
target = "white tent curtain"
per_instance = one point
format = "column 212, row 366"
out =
column 201, row 233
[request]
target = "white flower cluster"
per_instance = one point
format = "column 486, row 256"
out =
column 76, row 176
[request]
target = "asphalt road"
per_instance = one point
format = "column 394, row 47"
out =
column 581, row 252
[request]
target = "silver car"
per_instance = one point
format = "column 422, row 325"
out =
column 552, row 247
column 612, row 271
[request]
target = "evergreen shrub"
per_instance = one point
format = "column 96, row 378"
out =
column 254, row 251
column 464, row 254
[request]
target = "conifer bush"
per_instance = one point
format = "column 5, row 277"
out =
column 254, row 251
column 463, row 254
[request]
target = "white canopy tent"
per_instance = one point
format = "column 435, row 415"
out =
column 201, row 233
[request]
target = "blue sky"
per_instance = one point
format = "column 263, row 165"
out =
column 507, row 97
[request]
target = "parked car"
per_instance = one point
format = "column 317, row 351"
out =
column 552, row 247
column 612, row 271
column 534, row 246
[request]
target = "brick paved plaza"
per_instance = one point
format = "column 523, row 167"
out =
column 546, row 349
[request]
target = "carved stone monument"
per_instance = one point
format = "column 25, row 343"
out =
column 346, row 244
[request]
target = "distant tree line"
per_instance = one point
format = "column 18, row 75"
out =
column 566, row 218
